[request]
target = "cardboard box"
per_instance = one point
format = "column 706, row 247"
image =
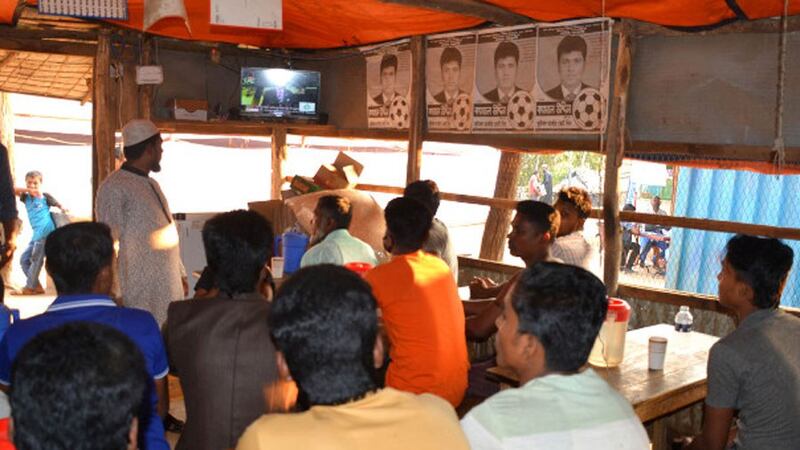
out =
column 279, row 215
column 342, row 174
column 196, row 110
column 303, row 185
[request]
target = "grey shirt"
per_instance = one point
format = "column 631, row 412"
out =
column 756, row 370
column 439, row 244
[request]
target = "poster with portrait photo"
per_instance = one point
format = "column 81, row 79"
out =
column 572, row 76
column 450, row 77
column 388, row 85
column 505, row 71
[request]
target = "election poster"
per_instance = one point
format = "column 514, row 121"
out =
column 388, row 85
column 572, row 77
column 504, row 80
column 450, row 77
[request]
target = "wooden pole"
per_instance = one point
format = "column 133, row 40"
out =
column 146, row 91
column 493, row 244
column 615, row 150
column 103, row 117
column 7, row 128
column 416, row 129
column 279, row 153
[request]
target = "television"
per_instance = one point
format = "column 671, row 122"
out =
column 279, row 93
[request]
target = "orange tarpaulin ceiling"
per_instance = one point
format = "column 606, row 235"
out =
column 340, row 23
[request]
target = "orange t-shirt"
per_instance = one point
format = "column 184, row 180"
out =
column 424, row 320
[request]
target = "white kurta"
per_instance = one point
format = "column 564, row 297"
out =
column 149, row 266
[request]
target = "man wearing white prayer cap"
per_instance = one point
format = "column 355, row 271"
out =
column 150, row 272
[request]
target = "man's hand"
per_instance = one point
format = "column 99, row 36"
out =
column 482, row 287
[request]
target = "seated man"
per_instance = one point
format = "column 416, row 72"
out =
column 78, row 386
column 630, row 242
column 754, row 370
column 574, row 205
column 544, row 335
column 220, row 347
column 420, row 307
column 533, row 231
column 325, row 326
column 80, row 259
column 334, row 244
column 438, row 242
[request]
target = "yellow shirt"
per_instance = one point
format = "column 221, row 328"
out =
column 387, row 420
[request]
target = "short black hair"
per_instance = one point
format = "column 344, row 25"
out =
column 542, row 216
column 135, row 151
column 238, row 244
column 77, row 387
column 336, row 208
column 564, row 307
column 628, row 207
column 761, row 263
column 571, row 44
column 34, row 174
column 577, row 197
column 504, row 50
column 76, row 253
column 425, row 192
column 408, row 221
column 450, row 54
column 324, row 320
column 389, row 60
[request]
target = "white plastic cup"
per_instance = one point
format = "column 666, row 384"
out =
column 657, row 350
column 277, row 266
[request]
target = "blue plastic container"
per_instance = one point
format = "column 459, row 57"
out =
column 291, row 246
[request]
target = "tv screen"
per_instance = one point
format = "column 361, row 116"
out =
column 279, row 92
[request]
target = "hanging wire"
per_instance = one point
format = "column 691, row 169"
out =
column 779, row 148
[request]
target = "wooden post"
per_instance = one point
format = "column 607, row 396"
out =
column 416, row 128
column 7, row 128
column 279, row 153
column 615, row 151
column 103, row 117
column 146, row 91
column 493, row 244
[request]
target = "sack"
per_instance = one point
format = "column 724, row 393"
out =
column 60, row 218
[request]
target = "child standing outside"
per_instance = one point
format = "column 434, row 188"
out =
column 38, row 204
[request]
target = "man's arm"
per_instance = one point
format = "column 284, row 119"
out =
column 482, row 287
column 482, row 326
column 162, row 390
column 716, row 427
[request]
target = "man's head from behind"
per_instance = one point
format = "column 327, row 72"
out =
column 142, row 141
column 238, row 244
column 408, row 223
column 333, row 212
column 325, row 326
column 425, row 192
column 79, row 257
column 551, row 320
column 574, row 205
column 77, row 387
column 388, row 74
column 450, row 64
column 754, row 272
column 571, row 53
column 506, row 61
column 533, row 230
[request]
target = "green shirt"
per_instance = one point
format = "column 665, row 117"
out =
column 339, row 247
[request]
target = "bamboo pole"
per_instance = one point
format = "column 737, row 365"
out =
column 615, row 149
column 146, row 91
column 497, row 223
column 279, row 154
column 103, row 116
column 416, row 129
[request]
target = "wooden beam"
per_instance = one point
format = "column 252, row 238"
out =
column 503, row 203
column 769, row 25
column 487, row 265
column 493, row 244
column 103, row 117
column 762, row 153
column 473, row 8
column 145, row 91
column 517, row 141
column 416, row 128
column 279, row 154
column 711, row 225
column 48, row 41
column 615, row 151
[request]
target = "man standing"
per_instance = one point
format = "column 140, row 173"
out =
column 335, row 245
column 571, row 54
column 547, row 182
column 131, row 203
column 450, row 64
column 506, row 62
column 655, row 237
column 388, row 78
column 428, row 350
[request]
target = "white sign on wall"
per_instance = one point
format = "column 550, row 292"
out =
column 264, row 14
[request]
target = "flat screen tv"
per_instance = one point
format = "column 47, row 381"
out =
column 271, row 93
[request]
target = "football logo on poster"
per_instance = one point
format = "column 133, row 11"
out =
column 450, row 74
column 388, row 85
column 504, row 80
column 572, row 76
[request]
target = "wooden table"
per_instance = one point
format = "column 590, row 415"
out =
column 653, row 394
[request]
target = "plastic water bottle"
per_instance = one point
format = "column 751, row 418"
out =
column 684, row 320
